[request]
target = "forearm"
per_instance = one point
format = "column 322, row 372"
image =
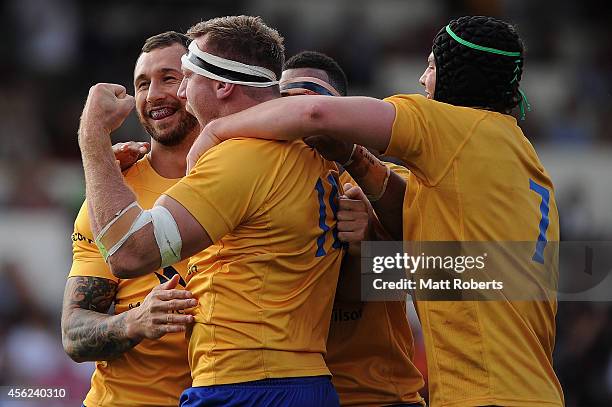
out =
column 349, row 280
column 107, row 194
column 379, row 233
column 89, row 335
column 389, row 209
column 362, row 120
column 106, row 190
column 371, row 175
column 277, row 119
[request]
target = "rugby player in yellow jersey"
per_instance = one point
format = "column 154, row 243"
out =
column 141, row 358
column 263, row 211
column 474, row 177
column 368, row 369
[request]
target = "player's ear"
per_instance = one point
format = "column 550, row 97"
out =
column 224, row 89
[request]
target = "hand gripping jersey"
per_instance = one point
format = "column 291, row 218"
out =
column 370, row 346
column 265, row 287
column 154, row 372
column 475, row 177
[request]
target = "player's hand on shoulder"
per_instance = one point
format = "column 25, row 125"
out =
column 353, row 215
column 128, row 153
column 330, row 148
column 205, row 141
column 159, row 312
column 106, row 107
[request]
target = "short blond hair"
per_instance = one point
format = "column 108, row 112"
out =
column 245, row 39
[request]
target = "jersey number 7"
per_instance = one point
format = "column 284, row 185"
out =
column 544, row 221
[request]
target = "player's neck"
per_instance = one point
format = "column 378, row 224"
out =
column 170, row 162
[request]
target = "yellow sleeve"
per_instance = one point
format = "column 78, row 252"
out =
column 229, row 183
column 86, row 259
column 398, row 169
column 427, row 135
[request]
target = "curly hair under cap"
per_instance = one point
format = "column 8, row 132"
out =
column 475, row 78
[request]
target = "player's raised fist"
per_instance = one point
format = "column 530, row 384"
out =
column 106, row 108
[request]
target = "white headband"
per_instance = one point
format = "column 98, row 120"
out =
column 226, row 70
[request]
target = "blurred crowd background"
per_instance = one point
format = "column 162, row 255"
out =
column 54, row 50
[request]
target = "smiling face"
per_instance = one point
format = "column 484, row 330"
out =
column 161, row 112
column 428, row 79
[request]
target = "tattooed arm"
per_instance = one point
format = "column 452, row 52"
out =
column 369, row 172
column 89, row 334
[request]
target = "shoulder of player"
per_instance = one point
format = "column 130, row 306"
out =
column 248, row 143
column 256, row 151
column 424, row 104
column 415, row 97
column 415, row 100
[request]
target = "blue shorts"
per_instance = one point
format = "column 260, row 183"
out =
column 294, row 392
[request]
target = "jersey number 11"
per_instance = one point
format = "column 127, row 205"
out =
column 333, row 204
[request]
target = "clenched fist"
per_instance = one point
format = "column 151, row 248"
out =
column 106, row 108
column 354, row 213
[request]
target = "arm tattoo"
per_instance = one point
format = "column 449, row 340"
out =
column 368, row 171
column 88, row 333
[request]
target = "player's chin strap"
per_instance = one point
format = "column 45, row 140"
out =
column 226, row 70
column 307, row 85
column 130, row 220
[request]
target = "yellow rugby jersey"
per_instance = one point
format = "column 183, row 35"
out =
column 475, row 177
column 370, row 346
column 154, row 372
column 266, row 287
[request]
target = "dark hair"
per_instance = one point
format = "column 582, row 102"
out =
column 317, row 60
column 164, row 40
column 474, row 78
column 245, row 39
